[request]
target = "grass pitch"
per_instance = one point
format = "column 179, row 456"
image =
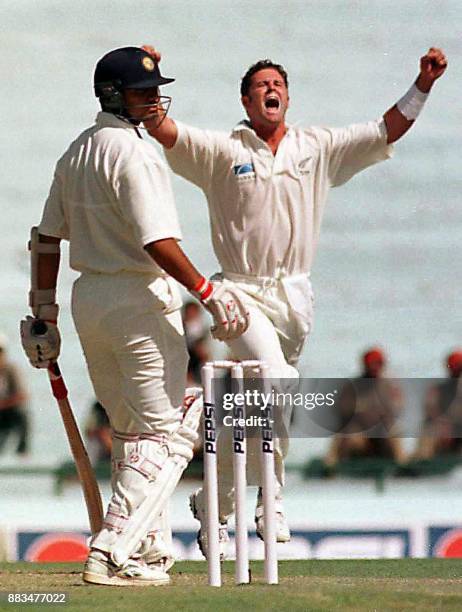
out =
column 401, row 584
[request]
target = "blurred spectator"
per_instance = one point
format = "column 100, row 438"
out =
column 442, row 430
column 13, row 417
column 98, row 433
column 368, row 407
column 197, row 340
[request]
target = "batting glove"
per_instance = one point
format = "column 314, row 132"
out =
column 230, row 315
column 40, row 340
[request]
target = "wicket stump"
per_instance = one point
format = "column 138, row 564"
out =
column 242, row 575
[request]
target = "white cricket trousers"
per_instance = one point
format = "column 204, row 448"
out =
column 135, row 352
column 276, row 335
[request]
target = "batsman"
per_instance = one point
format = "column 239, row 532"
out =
column 266, row 185
column 111, row 199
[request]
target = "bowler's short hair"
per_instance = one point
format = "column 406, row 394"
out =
column 261, row 65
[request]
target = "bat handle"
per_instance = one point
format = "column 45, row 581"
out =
column 39, row 328
column 56, row 381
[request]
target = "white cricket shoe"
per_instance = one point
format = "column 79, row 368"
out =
column 282, row 528
column 158, row 556
column 100, row 570
column 164, row 564
column 199, row 514
column 155, row 553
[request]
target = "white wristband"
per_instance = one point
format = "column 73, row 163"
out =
column 412, row 103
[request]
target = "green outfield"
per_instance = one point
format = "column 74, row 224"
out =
column 402, row 584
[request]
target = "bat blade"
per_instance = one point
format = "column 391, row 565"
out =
column 85, row 471
column 84, row 468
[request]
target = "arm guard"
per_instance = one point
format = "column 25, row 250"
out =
column 42, row 301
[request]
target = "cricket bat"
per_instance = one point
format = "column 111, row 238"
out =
column 85, row 471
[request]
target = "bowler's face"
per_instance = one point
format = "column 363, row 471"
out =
column 268, row 98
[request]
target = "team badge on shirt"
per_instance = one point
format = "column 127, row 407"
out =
column 304, row 165
column 244, row 171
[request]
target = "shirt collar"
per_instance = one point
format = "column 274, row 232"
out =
column 104, row 119
column 244, row 126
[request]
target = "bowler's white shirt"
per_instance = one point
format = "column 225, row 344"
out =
column 111, row 195
column 266, row 210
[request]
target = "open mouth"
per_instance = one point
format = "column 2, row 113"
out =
column 272, row 102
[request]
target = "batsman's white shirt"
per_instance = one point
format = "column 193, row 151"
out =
column 111, row 195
